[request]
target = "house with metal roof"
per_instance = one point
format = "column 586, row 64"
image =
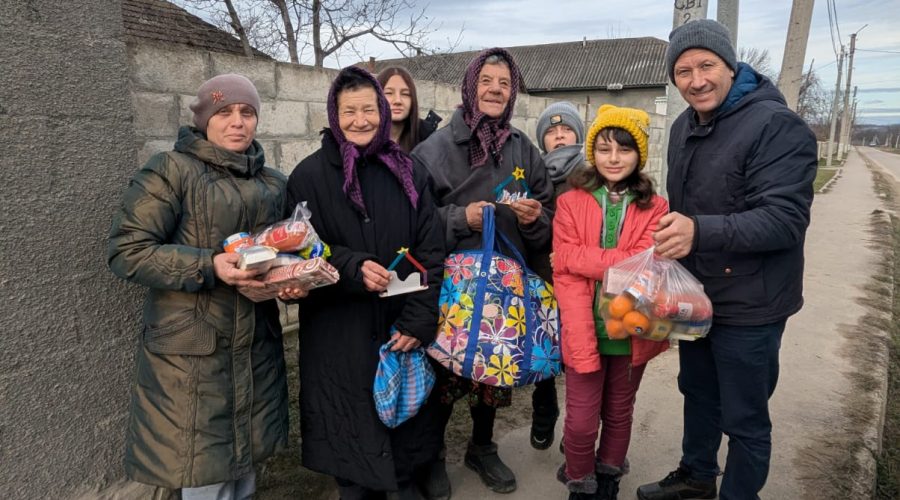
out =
column 162, row 22
column 622, row 71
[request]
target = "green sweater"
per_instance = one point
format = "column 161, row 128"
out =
column 613, row 217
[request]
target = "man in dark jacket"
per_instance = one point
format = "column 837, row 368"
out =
column 741, row 169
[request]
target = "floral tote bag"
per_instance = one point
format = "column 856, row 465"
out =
column 499, row 321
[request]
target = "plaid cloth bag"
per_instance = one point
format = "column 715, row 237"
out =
column 402, row 384
column 499, row 321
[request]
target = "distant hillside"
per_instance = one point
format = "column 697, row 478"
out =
column 879, row 120
column 879, row 134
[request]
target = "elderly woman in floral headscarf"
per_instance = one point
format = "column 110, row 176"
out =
column 367, row 202
column 468, row 160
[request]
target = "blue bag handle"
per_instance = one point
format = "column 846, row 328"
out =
column 488, row 246
column 489, row 236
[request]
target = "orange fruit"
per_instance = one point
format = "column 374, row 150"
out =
column 615, row 329
column 636, row 323
column 620, row 305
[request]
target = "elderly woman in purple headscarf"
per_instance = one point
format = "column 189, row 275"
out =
column 469, row 162
column 367, row 203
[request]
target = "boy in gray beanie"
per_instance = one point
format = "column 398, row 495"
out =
column 560, row 134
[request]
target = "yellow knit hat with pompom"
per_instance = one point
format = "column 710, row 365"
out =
column 634, row 121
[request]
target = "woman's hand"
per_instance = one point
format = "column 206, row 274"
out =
column 474, row 214
column 292, row 293
column 375, row 277
column 404, row 342
column 527, row 210
column 225, row 266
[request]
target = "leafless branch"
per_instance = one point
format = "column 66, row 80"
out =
column 286, row 28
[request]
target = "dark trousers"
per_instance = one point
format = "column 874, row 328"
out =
column 727, row 379
column 349, row 490
column 543, row 399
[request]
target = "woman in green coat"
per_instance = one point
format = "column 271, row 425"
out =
column 210, row 393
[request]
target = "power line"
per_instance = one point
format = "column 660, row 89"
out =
column 831, row 28
column 837, row 24
column 826, row 65
column 880, row 51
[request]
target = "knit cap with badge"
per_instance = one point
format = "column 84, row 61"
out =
column 560, row 113
column 220, row 91
column 700, row 34
column 634, row 121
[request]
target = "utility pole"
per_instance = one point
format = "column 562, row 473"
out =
column 834, row 108
column 795, row 51
column 727, row 15
column 684, row 12
column 845, row 121
column 852, row 118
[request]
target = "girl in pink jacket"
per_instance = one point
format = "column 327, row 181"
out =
column 609, row 217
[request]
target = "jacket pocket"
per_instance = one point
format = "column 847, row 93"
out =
column 194, row 339
column 730, row 279
column 726, row 264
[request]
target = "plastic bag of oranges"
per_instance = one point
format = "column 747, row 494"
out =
column 654, row 298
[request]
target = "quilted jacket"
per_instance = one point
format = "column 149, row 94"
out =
column 210, row 392
column 579, row 262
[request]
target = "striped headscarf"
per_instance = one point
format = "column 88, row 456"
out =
column 487, row 133
column 381, row 147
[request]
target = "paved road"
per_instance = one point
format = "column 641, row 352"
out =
column 890, row 162
column 810, row 404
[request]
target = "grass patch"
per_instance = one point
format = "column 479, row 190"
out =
column 835, row 161
column 841, row 463
column 887, row 484
column 823, row 175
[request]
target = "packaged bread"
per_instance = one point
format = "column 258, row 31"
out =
column 303, row 274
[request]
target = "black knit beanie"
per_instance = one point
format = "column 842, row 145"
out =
column 700, row 34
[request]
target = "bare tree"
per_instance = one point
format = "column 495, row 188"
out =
column 290, row 36
column 814, row 103
column 759, row 60
column 238, row 28
column 327, row 27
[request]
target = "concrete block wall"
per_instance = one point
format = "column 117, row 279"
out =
column 656, row 156
column 164, row 80
column 68, row 327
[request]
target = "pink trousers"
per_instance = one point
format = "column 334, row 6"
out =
column 603, row 397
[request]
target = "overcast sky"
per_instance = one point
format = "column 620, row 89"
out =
column 762, row 25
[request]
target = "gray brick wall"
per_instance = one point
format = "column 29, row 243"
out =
column 293, row 100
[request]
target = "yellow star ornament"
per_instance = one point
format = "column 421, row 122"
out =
column 518, row 173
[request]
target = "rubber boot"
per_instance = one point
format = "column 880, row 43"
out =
column 493, row 472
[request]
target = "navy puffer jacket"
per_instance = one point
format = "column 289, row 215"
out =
column 746, row 180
